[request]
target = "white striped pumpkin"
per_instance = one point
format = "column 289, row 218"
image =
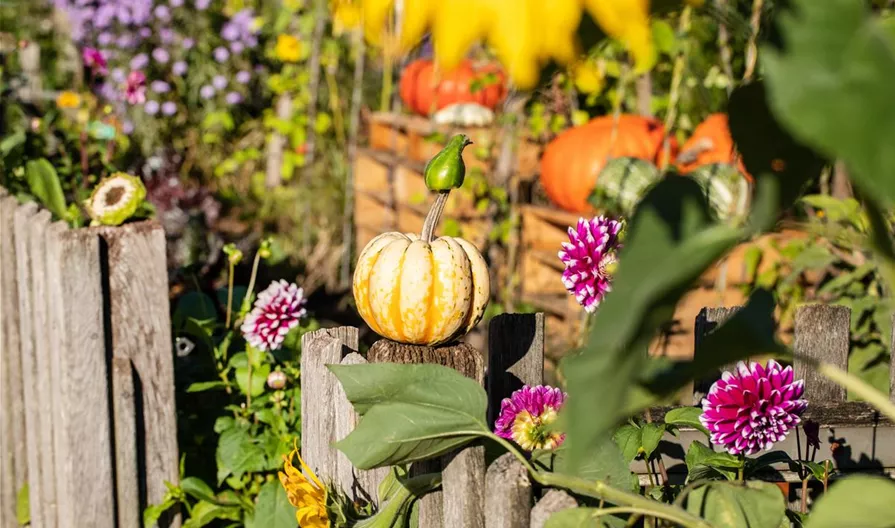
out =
column 421, row 293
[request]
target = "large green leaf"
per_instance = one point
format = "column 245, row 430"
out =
column 855, row 502
column 831, row 85
column 584, row 518
column 204, row 513
column 273, row 509
column 629, row 439
column 605, row 462
column 44, row 184
column 238, row 453
column 686, row 417
column 751, row 504
column 672, row 241
column 409, row 412
column 700, row 456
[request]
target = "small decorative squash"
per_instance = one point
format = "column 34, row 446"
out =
column 467, row 83
column 710, row 143
column 573, row 160
column 622, row 183
column 413, row 289
column 725, row 188
column 464, row 115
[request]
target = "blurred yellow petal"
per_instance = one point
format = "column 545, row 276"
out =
column 68, row 100
column 627, row 21
column 458, row 24
column 559, row 24
column 376, row 14
column 588, row 77
column 416, row 18
column 517, row 37
column 346, row 16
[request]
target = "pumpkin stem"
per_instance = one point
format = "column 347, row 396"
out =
column 434, row 216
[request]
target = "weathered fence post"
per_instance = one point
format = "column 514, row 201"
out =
column 822, row 333
column 515, row 356
column 127, row 470
column 508, row 500
column 706, row 321
column 553, row 501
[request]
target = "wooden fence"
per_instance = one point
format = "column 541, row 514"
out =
column 501, row 494
column 86, row 371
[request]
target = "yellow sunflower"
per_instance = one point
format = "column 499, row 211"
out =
column 308, row 496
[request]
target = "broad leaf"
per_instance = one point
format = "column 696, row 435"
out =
column 858, row 501
column 605, row 463
column 44, row 184
column 203, row 513
column 197, row 489
column 238, row 453
column 831, row 85
column 629, row 439
column 409, row 412
column 754, row 465
column 701, row 456
column 651, row 434
column 686, row 417
column 752, row 504
column 273, row 509
column 202, row 386
column 259, row 378
column 584, row 518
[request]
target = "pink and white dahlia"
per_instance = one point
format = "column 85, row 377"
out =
column 526, row 415
column 590, row 257
column 753, row 408
column 135, row 88
column 277, row 310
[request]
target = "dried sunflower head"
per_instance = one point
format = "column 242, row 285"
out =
column 115, row 199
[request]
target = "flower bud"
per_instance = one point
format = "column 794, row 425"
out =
column 234, row 256
column 276, row 380
column 446, row 170
column 264, row 248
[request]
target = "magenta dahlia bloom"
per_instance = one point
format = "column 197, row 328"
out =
column 135, row 87
column 590, row 257
column 526, row 415
column 277, row 310
column 95, row 60
column 752, row 408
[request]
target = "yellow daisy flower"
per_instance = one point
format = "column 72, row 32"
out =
column 308, row 496
column 288, row 48
column 68, row 100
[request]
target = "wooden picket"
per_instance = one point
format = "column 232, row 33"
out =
column 88, row 414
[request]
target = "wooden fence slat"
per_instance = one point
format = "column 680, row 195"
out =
column 507, row 494
column 84, row 471
column 515, row 356
column 463, row 488
column 553, row 501
column 431, row 511
column 822, row 333
column 14, row 474
column 141, row 331
column 359, row 484
column 319, row 391
column 706, row 321
column 127, row 475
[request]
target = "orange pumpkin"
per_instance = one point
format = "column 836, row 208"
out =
column 571, row 162
column 710, row 144
column 421, row 94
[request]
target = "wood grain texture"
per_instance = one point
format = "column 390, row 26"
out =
column 84, row 471
column 318, row 394
column 553, row 501
column 14, row 472
column 40, row 307
column 515, row 356
column 463, row 488
column 22, row 219
column 431, row 512
column 707, row 321
column 124, row 412
column 461, row 357
column 358, row 484
column 507, row 494
column 141, row 331
column 822, row 333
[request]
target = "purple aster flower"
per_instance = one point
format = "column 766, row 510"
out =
column 526, row 415
column 162, row 13
column 233, row 98
column 230, row 31
column 175, row 3
column 169, row 108
column 105, row 38
column 590, row 257
column 135, row 87
column 128, row 127
column 277, row 310
column 207, row 91
column 139, row 61
column 151, row 107
column 221, row 54
column 202, row 5
column 237, row 47
column 125, row 41
column 243, row 77
column 95, row 60
column 219, row 82
column 752, row 408
column 159, row 87
column 187, row 43
column 166, row 35
column 161, row 55
column 118, row 75
column 145, row 32
column 178, row 68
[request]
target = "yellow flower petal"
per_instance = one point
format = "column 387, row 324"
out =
column 288, row 48
column 627, row 21
column 68, row 100
column 307, row 496
column 376, row 14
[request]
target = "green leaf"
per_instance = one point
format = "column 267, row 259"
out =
column 273, row 509
column 629, row 439
column 237, row 454
column 652, row 434
column 44, row 184
column 605, row 462
column 859, row 501
column 203, row 513
column 197, row 489
column 259, row 378
column 583, row 518
column 699, row 455
column 817, row 469
column 409, row 412
column 752, row 504
column 203, row 386
column 754, row 465
column 686, row 417
column 831, row 85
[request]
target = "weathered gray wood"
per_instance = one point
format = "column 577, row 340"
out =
column 507, row 494
column 141, row 331
column 22, row 219
column 319, row 390
column 14, row 474
column 515, row 356
column 553, row 501
column 431, row 512
column 40, row 307
column 822, row 333
column 358, row 484
column 83, row 425
column 127, row 475
column 706, row 321
column 462, row 357
column 463, row 488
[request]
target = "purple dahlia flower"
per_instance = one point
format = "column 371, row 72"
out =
column 135, row 87
column 526, row 415
column 590, row 257
column 753, row 408
column 277, row 310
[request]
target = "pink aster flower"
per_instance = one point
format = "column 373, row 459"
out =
column 526, row 415
column 753, row 408
column 277, row 310
column 135, row 87
column 95, row 60
column 589, row 257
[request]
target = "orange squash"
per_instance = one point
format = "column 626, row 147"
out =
column 573, row 160
column 710, row 144
column 421, row 94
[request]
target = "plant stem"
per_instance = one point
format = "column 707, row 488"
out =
column 742, row 468
column 826, row 474
column 659, row 461
column 677, row 77
column 804, row 505
column 434, row 216
column 229, row 296
column 387, row 74
column 247, row 299
column 249, row 385
column 752, row 47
